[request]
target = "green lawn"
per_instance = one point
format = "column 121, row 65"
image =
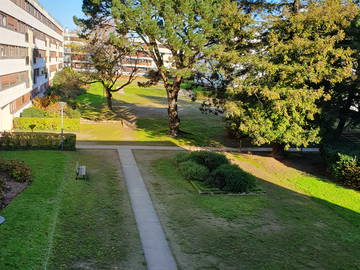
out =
column 60, row 223
column 146, row 110
column 303, row 221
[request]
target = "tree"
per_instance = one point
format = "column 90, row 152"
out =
column 275, row 101
column 343, row 109
column 108, row 64
column 66, row 84
column 191, row 29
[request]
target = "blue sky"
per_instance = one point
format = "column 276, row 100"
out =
column 63, row 10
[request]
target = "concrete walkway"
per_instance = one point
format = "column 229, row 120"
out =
column 156, row 248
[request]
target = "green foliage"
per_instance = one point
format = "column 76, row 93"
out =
column 276, row 100
column 343, row 163
column 181, row 157
column 67, row 84
column 231, row 178
column 72, row 113
column 192, row 30
column 17, row 170
column 209, row 159
column 46, row 124
column 193, row 171
column 337, row 112
column 32, row 140
column 33, row 112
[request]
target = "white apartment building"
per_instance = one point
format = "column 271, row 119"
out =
column 31, row 52
column 79, row 60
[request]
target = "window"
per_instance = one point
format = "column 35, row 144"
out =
column 2, row 20
column 8, row 51
column 10, row 80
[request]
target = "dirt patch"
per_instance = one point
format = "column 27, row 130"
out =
column 11, row 189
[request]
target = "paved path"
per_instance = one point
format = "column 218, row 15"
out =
column 190, row 148
column 156, row 248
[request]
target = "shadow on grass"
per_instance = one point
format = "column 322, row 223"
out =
column 310, row 232
column 152, row 122
column 136, row 143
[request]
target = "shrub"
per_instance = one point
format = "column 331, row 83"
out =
column 342, row 161
column 181, row 157
column 17, row 170
column 193, row 171
column 231, row 178
column 71, row 113
column 33, row 140
column 67, row 83
column 208, row 159
column 34, row 113
column 46, row 124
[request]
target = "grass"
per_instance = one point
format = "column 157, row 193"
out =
column 60, row 223
column 146, row 108
column 301, row 222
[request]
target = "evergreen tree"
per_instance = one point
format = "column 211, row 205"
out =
column 275, row 101
column 192, row 30
column 343, row 109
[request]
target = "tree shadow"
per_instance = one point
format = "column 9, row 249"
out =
column 303, row 230
column 200, row 129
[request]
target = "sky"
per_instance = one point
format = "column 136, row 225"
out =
column 63, row 11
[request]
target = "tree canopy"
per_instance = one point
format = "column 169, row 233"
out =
column 190, row 29
column 276, row 100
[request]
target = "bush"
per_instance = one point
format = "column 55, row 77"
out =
column 231, row 178
column 67, row 83
column 342, row 161
column 193, row 171
column 181, row 157
column 208, row 159
column 34, row 140
column 46, row 124
column 34, row 113
column 17, row 170
column 71, row 113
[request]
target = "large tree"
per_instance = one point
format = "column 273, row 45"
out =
column 343, row 109
column 113, row 65
column 275, row 101
column 191, row 29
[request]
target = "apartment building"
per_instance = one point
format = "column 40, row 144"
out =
column 74, row 54
column 31, row 52
column 76, row 58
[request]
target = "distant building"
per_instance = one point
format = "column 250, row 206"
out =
column 74, row 55
column 76, row 58
column 31, row 52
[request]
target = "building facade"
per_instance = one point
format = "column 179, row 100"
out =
column 31, row 52
column 76, row 57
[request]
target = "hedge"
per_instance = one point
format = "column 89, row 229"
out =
column 231, row 178
column 193, row 171
column 215, row 170
column 343, row 162
column 36, row 140
column 46, row 124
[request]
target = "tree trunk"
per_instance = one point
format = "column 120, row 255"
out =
column 173, row 115
column 340, row 128
column 344, row 114
column 278, row 151
column 109, row 99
